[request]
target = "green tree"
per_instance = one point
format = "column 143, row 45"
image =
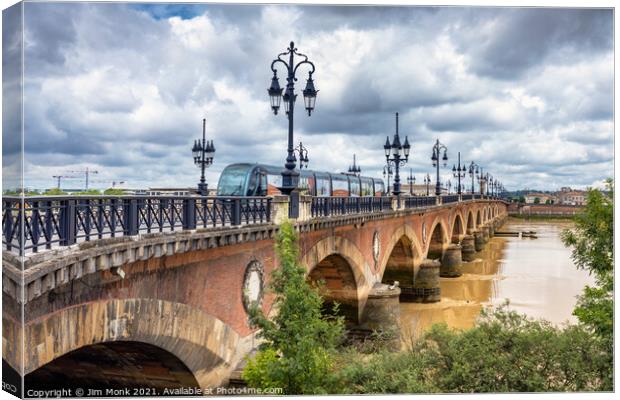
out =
column 90, row 192
column 114, row 192
column 299, row 342
column 54, row 192
column 521, row 199
column 592, row 243
column 536, row 200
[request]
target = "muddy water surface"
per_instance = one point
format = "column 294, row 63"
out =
column 536, row 275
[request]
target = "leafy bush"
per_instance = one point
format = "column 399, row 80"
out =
column 505, row 352
column 297, row 354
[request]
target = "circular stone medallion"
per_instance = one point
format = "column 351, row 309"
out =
column 253, row 285
column 376, row 247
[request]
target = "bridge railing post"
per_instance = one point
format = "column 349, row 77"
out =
column 235, row 212
column 130, row 216
column 67, row 222
column 189, row 214
column 438, row 200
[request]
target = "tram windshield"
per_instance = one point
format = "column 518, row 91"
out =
column 232, row 180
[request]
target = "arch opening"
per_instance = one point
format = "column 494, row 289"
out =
column 400, row 263
column 116, row 366
column 334, row 277
column 478, row 218
column 457, row 230
column 435, row 246
column 470, row 222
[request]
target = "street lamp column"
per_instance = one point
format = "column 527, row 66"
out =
column 473, row 173
column 399, row 156
column 459, row 172
column 437, row 147
column 290, row 176
column 411, row 181
column 203, row 152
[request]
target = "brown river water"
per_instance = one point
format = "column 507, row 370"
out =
column 537, row 276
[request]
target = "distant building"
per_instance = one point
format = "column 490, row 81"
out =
column 540, row 198
column 572, row 197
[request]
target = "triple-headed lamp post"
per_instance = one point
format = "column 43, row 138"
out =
column 427, row 182
column 290, row 177
column 387, row 172
column 303, row 156
column 411, row 181
column 203, row 157
column 473, row 173
column 355, row 169
column 397, row 154
column 459, row 171
column 437, row 147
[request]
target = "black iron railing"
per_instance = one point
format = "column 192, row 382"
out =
column 33, row 223
column 453, row 198
column 329, row 206
column 420, row 201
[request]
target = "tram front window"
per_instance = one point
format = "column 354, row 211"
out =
column 232, row 181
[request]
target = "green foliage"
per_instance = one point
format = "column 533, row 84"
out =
column 521, row 199
column 505, row 352
column 592, row 243
column 54, row 192
column 91, row 192
column 299, row 342
column 593, row 237
column 536, row 200
column 114, row 192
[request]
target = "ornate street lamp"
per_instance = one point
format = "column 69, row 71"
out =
column 427, row 181
column 397, row 154
column 290, row 177
column 355, row 169
column 473, row 173
column 449, row 186
column 203, row 153
column 459, row 171
column 411, row 181
column 437, row 147
column 303, row 156
column 388, row 172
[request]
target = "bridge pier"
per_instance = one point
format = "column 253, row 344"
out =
column 382, row 313
column 451, row 262
column 468, row 248
column 479, row 240
column 485, row 234
column 426, row 285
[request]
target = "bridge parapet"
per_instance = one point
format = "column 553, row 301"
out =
column 33, row 224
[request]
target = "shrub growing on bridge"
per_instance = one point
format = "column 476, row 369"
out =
column 299, row 341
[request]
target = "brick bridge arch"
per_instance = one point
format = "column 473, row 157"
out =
column 457, row 227
column 203, row 343
column 340, row 263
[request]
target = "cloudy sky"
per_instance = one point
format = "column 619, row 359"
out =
column 122, row 89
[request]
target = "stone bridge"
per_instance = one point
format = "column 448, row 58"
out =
column 169, row 309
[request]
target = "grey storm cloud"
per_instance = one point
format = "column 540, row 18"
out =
column 123, row 88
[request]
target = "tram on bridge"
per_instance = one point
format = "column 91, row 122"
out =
column 245, row 179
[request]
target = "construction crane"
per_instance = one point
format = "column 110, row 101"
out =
column 59, row 177
column 86, row 172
